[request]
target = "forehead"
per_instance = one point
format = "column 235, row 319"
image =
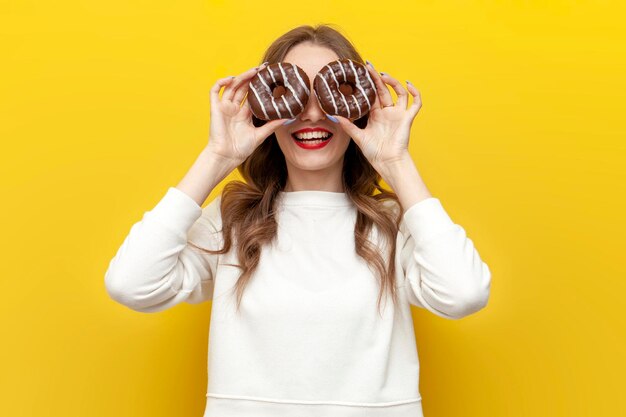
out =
column 311, row 58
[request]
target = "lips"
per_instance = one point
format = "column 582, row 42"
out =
column 313, row 143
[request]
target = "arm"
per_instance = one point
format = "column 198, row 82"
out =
column 442, row 268
column 155, row 268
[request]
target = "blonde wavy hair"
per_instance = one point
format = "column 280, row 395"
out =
column 247, row 208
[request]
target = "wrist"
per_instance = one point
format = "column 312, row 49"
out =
column 403, row 177
column 210, row 157
column 394, row 171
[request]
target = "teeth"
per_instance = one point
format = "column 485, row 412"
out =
column 312, row 135
column 314, row 142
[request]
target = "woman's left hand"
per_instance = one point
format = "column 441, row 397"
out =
column 385, row 139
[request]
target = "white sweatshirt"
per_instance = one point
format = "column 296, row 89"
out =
column 309, row 340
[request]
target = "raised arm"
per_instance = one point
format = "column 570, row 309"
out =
column 442, row 269
column 155, row 268
column 441, row 266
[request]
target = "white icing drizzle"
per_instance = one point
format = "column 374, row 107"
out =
column 367, row 73
column 345, row 77
column 271, row 75
column 287, row 104
column 302, row 83
column 266, row 92
column 358, row 106
column 293, row 91
column 288, row 85
column 330, row 93
column 256, row 94
column 273, row 100
column 266, row 89
column 332, row 73
column 358, row 84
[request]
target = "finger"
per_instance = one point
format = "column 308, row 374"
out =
column 242, row 89
column 240, row 80
column 417, row 99
column 215, row 90
column 376, row 104
column 381, row 87
column 240, row 93
column 268, row 128
column 403, row 96
column 350, row 128
column 245, row 114
column 229, row 92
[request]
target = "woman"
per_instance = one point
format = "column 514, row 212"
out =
column 314, row 248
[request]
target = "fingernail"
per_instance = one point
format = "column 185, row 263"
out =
column 332, row 118
column 290, row 121
column 408, row 82
column 370, row 64
column 265, row 63
column 383, row 73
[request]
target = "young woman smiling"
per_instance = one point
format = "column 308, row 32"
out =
column 297, row 258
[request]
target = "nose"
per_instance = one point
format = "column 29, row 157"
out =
column 312, row 111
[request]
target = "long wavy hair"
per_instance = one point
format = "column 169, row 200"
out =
column 247, row 208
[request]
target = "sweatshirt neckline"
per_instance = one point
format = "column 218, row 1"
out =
column 315, row 198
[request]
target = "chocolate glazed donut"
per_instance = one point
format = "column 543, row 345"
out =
column 344, row 87
column 279, row 91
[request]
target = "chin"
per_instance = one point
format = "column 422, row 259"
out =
column 312, row 160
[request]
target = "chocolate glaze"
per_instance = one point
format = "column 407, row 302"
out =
column 344, row 87
column 279, row 91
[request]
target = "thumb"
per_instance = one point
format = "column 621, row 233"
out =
column 350, row 128
column 269, row 127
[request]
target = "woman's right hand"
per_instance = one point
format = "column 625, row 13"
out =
column 232, row 135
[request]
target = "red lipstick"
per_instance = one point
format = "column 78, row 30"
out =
column 312, row 143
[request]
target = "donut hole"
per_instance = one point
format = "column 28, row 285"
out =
column 346, row 89
column 278, row 90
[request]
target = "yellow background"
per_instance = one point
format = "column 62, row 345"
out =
column 103, row 105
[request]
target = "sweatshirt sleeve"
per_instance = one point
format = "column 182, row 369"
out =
column 443, row 272
column 155, row 268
